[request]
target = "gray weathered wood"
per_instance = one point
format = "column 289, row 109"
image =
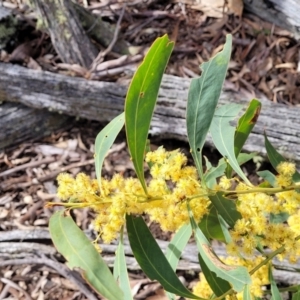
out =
column 19, row 123
column 283, row 13
column 188, row 261
column 100, row 31
column 102, row 101
column 67, row 34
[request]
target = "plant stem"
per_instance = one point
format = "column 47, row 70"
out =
column 224, row 295
column 270, row 257
column 261, row 190
column 68, row 204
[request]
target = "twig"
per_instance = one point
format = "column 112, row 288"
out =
column 78, row 164
column 15, row 286
column 4, row 292
column 58, row 267
column 23, row 235
column 64, row 169
column 102, row 54
column 28, row 165
column 111, row 63
column 20, row 249
column 116, row 33
column 128, row 69
column 31, row 213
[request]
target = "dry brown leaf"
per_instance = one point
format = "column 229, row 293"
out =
column 236, row 7
column 157, row 297
column 33, row 64
column 213, row 9
column 286, row 66
column 3, row 213
column 20, row 161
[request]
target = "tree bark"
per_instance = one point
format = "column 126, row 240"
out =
column 102, row 101
column 67, row 35
column 19, row 123
column 283, row 13
column 101, row 32
column 188, row 260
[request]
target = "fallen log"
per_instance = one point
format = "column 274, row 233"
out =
column 67, row 34
column 102, row 101
column 284, row 14
column 19, row 244
column 19, row 123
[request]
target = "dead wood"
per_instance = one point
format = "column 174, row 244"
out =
column 189, row 260
column 102, row 101
column 101, row 32
column 37, row 256
column 67, row 34
column 70, row 27
column 19, row 123
column 284, row 14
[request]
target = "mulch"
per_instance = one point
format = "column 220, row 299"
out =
column 265, row 59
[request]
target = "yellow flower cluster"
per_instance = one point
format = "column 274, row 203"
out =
column 258, row 223
column 259, row 278
column 171, row 184
column 286, row 171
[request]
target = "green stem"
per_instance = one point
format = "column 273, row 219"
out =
column 224, row 295
column 261, row 190
column 265, row 261
column 68, row 204
column 196, row 196
column 270, row 257
column 254, row 190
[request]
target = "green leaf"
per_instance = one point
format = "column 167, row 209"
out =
column 79, row 252
column 177, row 244
column 203, row 97
column 247, row 293
column 268, row 176
column 238, row 277
column 213, row 173
column 207, row 164
column 274, row 289
column 218, row 285
column 211, row 226
column 104, row 141
column 120, row 269
column 141, row 99
column 245, row 125
column 175, row 248
column 276, row 158
column 245, row 157
column 148, row 149
column 226, row 208
column 279, row 218
column 151, row 258
column 296, row 296
column 223, row 135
